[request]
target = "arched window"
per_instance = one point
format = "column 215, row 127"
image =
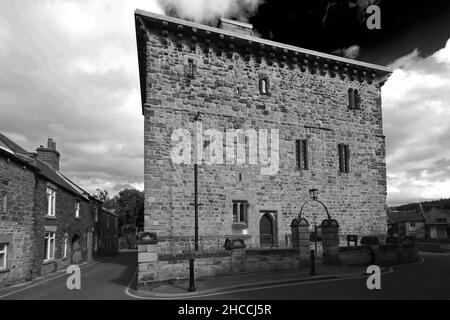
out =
column 353, row 99
column 264, row 85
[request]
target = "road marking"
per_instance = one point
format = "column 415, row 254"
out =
column 45, row 281
column 127, row 291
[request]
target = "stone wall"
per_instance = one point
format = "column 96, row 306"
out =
column 384, row 255
column 16, row 223
column 301, row 105
column 156, row 268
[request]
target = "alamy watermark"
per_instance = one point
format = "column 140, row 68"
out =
column 234, row 146
column 74, row 280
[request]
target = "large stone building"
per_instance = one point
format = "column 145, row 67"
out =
column 325, row 112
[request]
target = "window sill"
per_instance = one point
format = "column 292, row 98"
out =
column 4, row 270
column 65, row 258
column 46, row 262
column 50, row 217
column 239, row 225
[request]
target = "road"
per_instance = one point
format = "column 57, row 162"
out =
column 109, row 279
column 106, row 280
column 427, row 280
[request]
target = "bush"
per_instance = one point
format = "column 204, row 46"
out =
column 370, row 241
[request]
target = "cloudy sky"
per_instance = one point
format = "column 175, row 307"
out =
column 69, row 71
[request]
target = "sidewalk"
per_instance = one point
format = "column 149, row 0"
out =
column 207, row 285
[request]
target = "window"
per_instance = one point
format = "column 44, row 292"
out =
column 301, row 154
column 353, row 99
column 3, row 254
column 240, row 211
column 107, row 220
column 412, row 226
column 51, row 201
column 344, row 158
column 264, row 85
column 65, row 247
column 190, row 69
column 3, row 202
column 116, row 223
column 77, row 208
column 96, row 214
column 49, row 246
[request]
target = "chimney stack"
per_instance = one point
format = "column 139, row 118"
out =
column 49, row 155
column 236, row 26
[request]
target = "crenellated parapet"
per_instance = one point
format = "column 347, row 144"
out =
column 230, row 44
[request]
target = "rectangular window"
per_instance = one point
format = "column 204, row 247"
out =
column 3, row 254
column 264, row 85
column 240, row 211
column 96, row 214
column 344, row 158
column 49, row 246
column 77, row 208
column 65, row 247
column 51, row 202
column 107, row 220
column 190, row 69
column 3, row 202
column 301, row 154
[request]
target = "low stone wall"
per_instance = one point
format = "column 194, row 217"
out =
column 384, row 255
column 170, row 267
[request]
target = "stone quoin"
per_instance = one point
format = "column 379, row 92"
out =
column 238, row 81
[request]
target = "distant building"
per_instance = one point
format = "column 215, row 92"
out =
column 47, row 222
column 437, row 224
column 406, row 224
column 107, row 244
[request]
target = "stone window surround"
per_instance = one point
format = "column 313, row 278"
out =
column 77, row 208
column 7, row 240
column 302, row 154
column 51, row 192
column 264, row 79
column 3, row 202
column 51, row 230
column 239, row 203
column 354, row 99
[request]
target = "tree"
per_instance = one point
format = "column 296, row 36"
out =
column 103, row 196
column 129, row 205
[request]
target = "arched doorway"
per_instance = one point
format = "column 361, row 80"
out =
column 76, row 249
column 266, row 230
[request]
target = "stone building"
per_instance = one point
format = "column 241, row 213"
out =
column 108, row 231
column 46, row 220
column 17, row 181
column 324, row 111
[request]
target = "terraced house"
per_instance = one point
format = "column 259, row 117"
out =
column 47, row 221
column 324, row 112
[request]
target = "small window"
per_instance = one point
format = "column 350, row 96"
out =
column 3, row 255
column 264, row 85
column 107, row 220
column 190, row 69
column 344, row 158
column 96, row 214
column 301, row 154
column 240, row 211
column 77, row 208
column 49, row 246
column 51, row 202
column 353, row 99
column 3, row 202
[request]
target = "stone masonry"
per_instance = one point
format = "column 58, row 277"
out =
column 307, row 99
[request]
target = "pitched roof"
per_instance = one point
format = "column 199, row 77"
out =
column 404, row 216
column 437, row 216
column 12, row 149
column 110, row 212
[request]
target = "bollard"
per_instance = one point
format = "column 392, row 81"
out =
column 372, row 256
column 191, row 276
column 313, row 263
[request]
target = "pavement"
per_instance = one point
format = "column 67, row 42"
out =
column 207, row 285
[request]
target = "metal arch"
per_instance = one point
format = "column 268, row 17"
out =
column 315, row 200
